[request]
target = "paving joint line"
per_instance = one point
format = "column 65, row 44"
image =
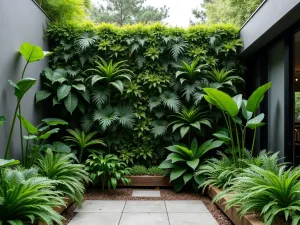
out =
column 167, row 212
column 122, row 212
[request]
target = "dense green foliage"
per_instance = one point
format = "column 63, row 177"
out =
column 124, row 12
column 107, row 170
column 146, row 77
column 183, row 161
column 27, row 198
column 273, row 194
column 142, row 170
column 226, row 11
column 70, row 177
column 65, row 11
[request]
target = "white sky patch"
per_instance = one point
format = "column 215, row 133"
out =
column 180, row 10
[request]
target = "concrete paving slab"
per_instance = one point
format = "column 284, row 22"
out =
column 146, row 193
column 192, row 219
column 102, row 206
column 145, row 206
column 188, row 206
column 96, row 219
column 144, row 219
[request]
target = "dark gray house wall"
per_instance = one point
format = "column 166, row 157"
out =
column 269, row 55
column 20, row 21
column 269, row 21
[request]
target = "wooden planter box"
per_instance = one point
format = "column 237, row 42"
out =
column 232, row 213
column 60, row 209
column 149, row 181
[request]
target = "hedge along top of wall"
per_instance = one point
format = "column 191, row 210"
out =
column 153, row 53
column 133, row 41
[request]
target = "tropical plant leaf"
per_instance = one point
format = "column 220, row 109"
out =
column 71, row 102
column 257, row 96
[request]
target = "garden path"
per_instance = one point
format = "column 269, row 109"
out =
column 112, row 212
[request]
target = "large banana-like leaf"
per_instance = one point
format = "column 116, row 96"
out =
column 221, row 100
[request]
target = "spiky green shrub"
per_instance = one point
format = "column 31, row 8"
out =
column 273, row 195
column 70, row 176
column 221, row 172
column 27, row 198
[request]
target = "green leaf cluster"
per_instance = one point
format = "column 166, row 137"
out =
column 140, row 79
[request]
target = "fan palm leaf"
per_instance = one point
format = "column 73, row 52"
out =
column 82, row 141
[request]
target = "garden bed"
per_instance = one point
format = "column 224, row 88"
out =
column 232, row 213
column 61, row 209
column 149, row 181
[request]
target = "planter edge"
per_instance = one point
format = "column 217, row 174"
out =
column 148, row 181
column 232, row 213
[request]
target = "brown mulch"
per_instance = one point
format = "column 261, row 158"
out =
column 166, row 194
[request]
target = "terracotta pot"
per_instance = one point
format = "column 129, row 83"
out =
column 148, row 181
column 232, row 213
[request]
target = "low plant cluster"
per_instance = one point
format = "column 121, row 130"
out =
column 142, row 170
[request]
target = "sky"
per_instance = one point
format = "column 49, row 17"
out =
column 180, row 10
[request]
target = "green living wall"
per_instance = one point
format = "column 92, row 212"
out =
column 162, row 102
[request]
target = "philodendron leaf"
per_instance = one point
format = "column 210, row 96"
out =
column 177, row 172
column 256, row 121
column 221, row 100
column 54, row 121
column 11, row 162
column 2, row 120
column 22, row 86
column 71, row 102
column 41, row 95
column 32, row 53
column 27, row 125
column 257, row 96
column 79, row 87
column 63, row 91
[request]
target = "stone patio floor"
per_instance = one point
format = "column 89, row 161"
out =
column 182, row 212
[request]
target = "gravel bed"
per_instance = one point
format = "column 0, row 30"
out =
column 166, row 194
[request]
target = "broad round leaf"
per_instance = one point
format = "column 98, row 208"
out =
column 31, row 52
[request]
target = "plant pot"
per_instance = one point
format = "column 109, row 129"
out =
column 60, row 209
column 232, row 213
column 148, row 181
